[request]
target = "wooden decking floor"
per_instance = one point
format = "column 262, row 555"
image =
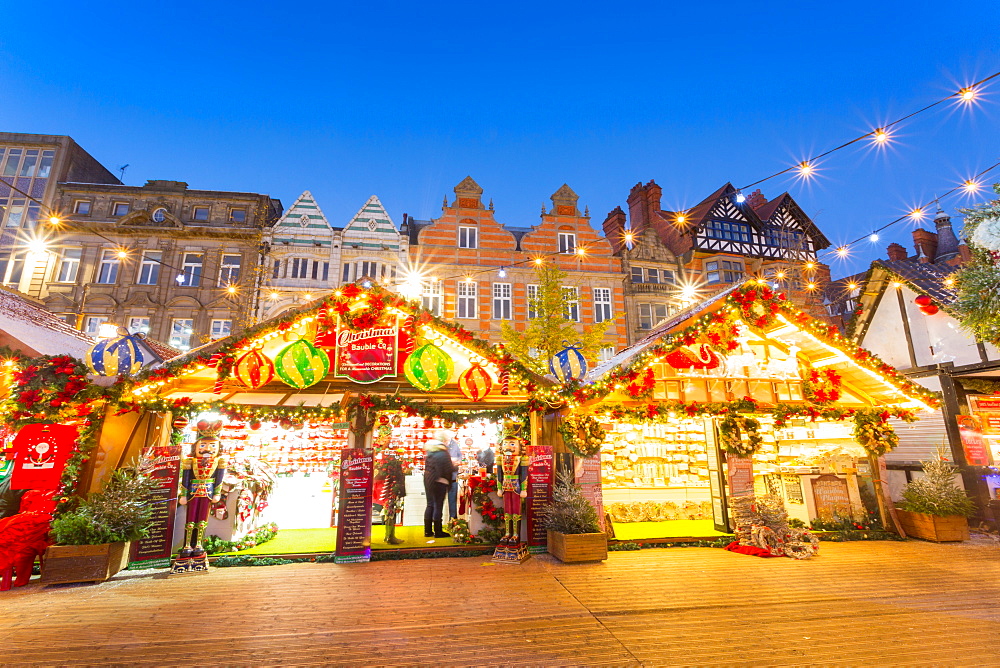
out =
column 857, row 603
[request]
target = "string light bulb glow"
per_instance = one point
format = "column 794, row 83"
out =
column 809, row 266
column 896, row 285
column 780, row 275
column 971, row 186
column 852, row 286
column 806, row 169
column 122, row 253
column 873, row 237
column 740, row 197
column 967, row 94
column 917, row 214
column 55, row 220
column 880, row 136
column 949, row 282
column 810, row 286
column 681, row 218
column 231, row 289
column 581, row 251
column 502, row 273
column 842, row 251
column 273, row 296
column 538, row 261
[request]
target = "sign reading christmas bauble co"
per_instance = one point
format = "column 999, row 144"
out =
column 367, row 355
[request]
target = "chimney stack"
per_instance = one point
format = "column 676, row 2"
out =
column 614, row 226
column 925, row 242
column 896, row 252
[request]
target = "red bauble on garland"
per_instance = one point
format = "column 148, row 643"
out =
column 923, row 300
column 254, row 369
column 929, row 309
column 475, row 383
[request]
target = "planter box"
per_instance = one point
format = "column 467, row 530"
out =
column 934, row 527
column 577, row 547
column 83, row 563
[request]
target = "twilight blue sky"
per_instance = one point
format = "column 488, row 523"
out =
column 403, row 100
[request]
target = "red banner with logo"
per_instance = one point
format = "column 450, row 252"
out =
column 354, row 520
column 971, row 433
column 40, row 454
column 539, row 490
column 366, row 355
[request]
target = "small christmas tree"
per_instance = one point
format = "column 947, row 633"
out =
column 570, row 511
column 936, row 492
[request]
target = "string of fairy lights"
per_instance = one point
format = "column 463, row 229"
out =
column 807, row 168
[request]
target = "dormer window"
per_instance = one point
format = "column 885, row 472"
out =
column 567, row 242
column 119, row 209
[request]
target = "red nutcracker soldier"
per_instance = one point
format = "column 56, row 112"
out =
column 513, row 491
column 200, row 488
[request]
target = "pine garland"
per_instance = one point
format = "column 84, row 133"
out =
column 978, row 282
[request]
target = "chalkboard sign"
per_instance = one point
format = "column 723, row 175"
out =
column 162, row 464
column 793, row 488
column 831, row 497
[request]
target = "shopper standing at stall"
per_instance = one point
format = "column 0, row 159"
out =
column 438, row 470
column 455, row 452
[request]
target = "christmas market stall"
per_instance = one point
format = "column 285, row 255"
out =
column 742, row 395
column 314, row 425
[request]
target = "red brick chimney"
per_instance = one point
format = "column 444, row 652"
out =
column 896, row 252
column 613, row 226
column 925, row 242
column 644, row 205
column 756, row 199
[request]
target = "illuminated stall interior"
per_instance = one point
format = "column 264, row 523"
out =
column 663, row 425
column 284, row 443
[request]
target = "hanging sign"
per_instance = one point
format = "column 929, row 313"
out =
column 162, row 463
column 973, row 443
column 831, row 497
column 40, row 453
column 539, row 491
column 588, row 477
column 739, row 470
column 354, row 519
column 366, row 355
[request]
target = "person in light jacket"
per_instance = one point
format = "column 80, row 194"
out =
column 438, row 470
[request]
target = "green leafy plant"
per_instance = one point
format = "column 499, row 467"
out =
column 936, row 492
column 569, row 511
column 117, row 514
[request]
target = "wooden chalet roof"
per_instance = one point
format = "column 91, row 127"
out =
column 922, row 277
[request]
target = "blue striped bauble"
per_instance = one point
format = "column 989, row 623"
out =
column 568, row 364
column 118, row 356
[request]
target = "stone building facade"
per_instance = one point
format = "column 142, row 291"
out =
column 452, row 251
column 182, row 265
column 309, row 258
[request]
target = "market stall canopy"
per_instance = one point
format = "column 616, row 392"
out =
column 749, row 341
column 362, row 340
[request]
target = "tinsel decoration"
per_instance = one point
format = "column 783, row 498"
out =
column 300, row 364
column 120, row 355
column 428, row 368
column 254, row 369
column 568, row 364
column 475, row 383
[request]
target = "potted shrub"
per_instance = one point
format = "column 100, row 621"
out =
column 573, row 531
column 92, row 540
column 934, row 507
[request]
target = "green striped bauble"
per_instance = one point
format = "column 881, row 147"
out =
column 300, row 364
column 428, row 368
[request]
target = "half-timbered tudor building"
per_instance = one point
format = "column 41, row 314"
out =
column 452, row 250
column 729, row 236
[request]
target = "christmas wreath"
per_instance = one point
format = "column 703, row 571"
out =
column 582, row 434
column 822, row 386
column 731, row 431
column 873, row 431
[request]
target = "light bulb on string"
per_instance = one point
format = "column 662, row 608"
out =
column 971, row 186
column 917, row 214
column 880, row 136
column 538, row 261
column 873, row 237
column 806, row 169
column 740, row 197
column 842, row 251
column 502, row 273
column 967, row 94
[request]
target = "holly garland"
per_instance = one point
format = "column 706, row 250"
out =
column 822, row 386
column 582, row 434
column 755, row 305
column 871, row 425
column 53, row 389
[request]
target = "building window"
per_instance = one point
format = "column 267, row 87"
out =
column 191, row 270
column 138, row 325
column 321, row 271
column 605, row 354
column 81, row 207
column 718, row 229
column 650, row 314
column 276, row 273
column 13, row 160
column 369, row 269
column 501, row 301
column 533, row 305
column 200, row 213
column 108, row 270
column 229, row 271
column 667, row 276
column 652, row 275
column 430, row 298
column 15, row 211
column 11, row 267
column 468, row 237
column 298, row 267
column 92, row 324
column 567, row 242
column 221, row 329
column 347, row 274
column 637, row 275
column 571, row 303
column 602, row 304
column 46, row 165
column 466, row 299
column 69, row 265
column 237, row 215
column 723, row 271
column 149, row 267
column 119, row 208
column 180, row 333
column 159, row 215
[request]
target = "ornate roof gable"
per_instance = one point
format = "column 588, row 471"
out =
column 372, row 227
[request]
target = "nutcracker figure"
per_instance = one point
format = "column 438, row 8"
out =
column 389, row 475
column 200, row 488
column 512, row 489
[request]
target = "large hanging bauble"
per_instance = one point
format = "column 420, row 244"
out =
column 254, row 369
column 475, row 383
column 301, row 364
column 428, row 368
column 929, row 309
column 120, row 355
column 923, row 300
column 568, row 364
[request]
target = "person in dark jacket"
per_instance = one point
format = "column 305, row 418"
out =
column 438, row 469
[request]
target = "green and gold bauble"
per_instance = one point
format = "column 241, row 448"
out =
column 428, row 367
column 301, row 364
